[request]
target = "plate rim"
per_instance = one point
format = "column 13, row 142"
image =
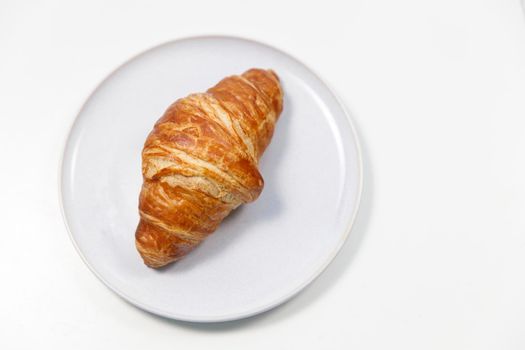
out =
column 234, row 316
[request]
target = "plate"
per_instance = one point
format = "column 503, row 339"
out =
column 263, row 253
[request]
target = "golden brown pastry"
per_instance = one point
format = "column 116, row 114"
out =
column 200, row 162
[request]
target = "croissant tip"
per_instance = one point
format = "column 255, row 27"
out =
column 156, row 263
column 153, row 265
column 273, row 74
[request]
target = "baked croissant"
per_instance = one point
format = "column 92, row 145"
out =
column 200, row 162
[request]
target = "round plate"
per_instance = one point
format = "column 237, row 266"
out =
column 264, row 252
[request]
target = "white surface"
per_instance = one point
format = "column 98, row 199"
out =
column 437, row 92
column 265, row 252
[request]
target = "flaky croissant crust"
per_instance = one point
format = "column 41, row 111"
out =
column 200, row 162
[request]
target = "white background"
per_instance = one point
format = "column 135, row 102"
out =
column 436, row 259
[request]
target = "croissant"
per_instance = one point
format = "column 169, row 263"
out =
column 200, row 162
